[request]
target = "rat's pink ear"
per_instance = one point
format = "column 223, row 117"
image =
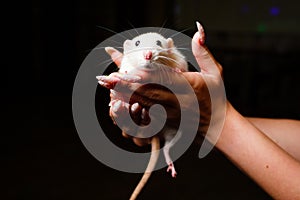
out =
column 115, row 55
column 170, row 43
column 127, row 45
column 110, row 50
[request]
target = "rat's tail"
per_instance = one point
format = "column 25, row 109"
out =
column 155, row 146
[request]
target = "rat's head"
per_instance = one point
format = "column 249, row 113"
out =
column 149, row 49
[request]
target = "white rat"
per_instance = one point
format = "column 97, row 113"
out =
column 149, row 51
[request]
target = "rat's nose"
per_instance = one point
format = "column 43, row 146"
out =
column 148, row 55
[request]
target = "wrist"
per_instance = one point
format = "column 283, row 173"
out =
column 231, row 123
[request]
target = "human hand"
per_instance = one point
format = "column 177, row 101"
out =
column 204, row 84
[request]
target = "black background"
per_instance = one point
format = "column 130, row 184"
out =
column 43, row 157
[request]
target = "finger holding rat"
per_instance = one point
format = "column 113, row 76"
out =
column 204, row 58
column 125, row 135
column 145, row 117
column 111, row 80
column 108, row 82
column 127, row 77
column 135, row 111
column 117, row 109
column 139, row 114
column 147, row 95
column 120, row 108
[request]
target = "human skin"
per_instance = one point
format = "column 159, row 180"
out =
column 284, row 132
column 267, row 150
column 273, row 168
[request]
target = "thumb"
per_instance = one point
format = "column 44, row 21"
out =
column 205, row 60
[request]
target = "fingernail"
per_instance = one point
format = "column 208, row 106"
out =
column 117, row 106
column 143, row 116
column 101, row 82
column 199, row 26
column 201, row 33
column 101, row 78
column 134, row 107
column 112, row 102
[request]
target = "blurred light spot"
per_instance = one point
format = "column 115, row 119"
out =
column 261, row 28
column 274, row 11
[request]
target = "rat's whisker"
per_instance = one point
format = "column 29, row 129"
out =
column 128, row 32
column 183, row 44
column 163, row 25
column 134, row 28
column 167, row 58
column 162, row 50
column 166, row 50
column 140, row 49
column 116, row 42
column 107, row 29
column 180, row 48
column 185, row 49
column 105, row 62
column 100, row 48
column 177, row 33
column 112, row 31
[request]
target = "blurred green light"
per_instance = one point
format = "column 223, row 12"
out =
column 261, row 28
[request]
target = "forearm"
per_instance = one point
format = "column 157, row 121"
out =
column 284, row 132
column 258, row 156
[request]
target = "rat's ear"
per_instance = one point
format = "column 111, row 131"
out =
column 127, row 45
column 110, row 50
column 170, row 43
column 115, row 55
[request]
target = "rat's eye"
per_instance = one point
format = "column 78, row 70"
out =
column 158, row 43
column 137, row 43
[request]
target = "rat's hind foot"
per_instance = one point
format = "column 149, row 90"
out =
column 170, row 141
column 172, row 169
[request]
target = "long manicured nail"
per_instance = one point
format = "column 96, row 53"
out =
column 201, row 33
column 101, row 83
column 199, row 26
